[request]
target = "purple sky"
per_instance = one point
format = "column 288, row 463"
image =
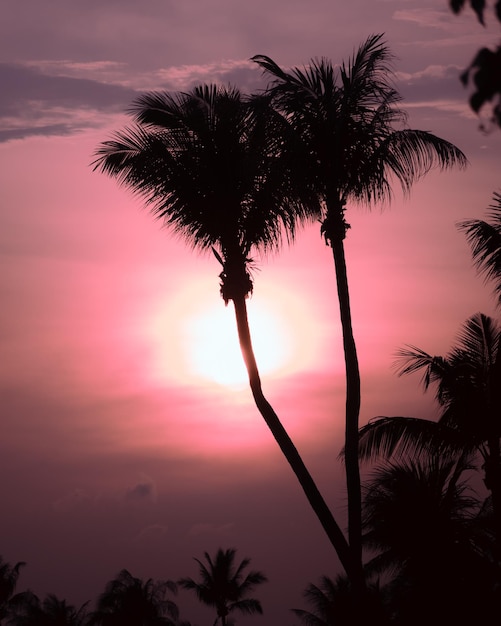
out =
column 115, row 451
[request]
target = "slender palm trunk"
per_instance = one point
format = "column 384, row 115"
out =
column 352, row 403
column 290, row 452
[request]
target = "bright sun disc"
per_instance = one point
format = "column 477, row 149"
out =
column 214, row 350
column 194, row 336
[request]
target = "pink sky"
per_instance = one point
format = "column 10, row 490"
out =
column 113, row 452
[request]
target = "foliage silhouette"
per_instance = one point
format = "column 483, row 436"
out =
column 332, row 603
column 52, row 611
column 431, row 540
column 129, row 601
column 484, row 238
column 9, row 576
column 468, row 388
column 485, row 69
column 224, row 586
column 354, row 142
column 217, row 167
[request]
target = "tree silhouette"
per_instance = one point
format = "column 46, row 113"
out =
column 217, row 167
column 430, row 538
column 9, row 575
column 354, row 142
column 129, row 601
column 224, row 586
column 485, row 69
column 484, row 238
column 332, row 603
column 468, row 389
column 52, row 611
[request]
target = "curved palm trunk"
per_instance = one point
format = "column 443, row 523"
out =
column 352, row 403
column 322, row 511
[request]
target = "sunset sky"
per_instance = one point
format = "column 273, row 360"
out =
column 124, row 440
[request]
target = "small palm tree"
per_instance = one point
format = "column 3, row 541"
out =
column 9, row 575
column 485, row 240
column 215, row 166
column 354, row 142
column 223, row 585
column 130, row 601
column 52, row 611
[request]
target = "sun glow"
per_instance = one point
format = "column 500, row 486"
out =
column 195, row 337
column 214, row 349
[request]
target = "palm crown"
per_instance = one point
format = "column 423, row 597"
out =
column 223, row 584
column 212, row 164
column 354, row 135
column 485, row 240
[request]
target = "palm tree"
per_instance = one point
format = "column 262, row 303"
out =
column 333, row 603
column 430, row 539
column 9, row 575
column 485, row 240
column 355, row 141
column 52, row 611
column 215, row 167
column 224, row 586
column 129, row 601
column 468, row 388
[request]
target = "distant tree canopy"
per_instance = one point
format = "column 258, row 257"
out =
column 484, row 72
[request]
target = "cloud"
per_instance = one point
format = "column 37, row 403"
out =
column 144, row 491
column 436, row 86
column 50, row 98
column 425, row 17
column 35, row 103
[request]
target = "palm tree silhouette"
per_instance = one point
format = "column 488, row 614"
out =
column 129, row 601
column 9, row 575
column 217, row 168
column 52, row 611
column 431, row 541
column 224, row 586
column 485, row 240
column 468, row 388
column 332, row 603
column 354, row 142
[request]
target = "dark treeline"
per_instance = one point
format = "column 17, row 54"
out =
column 222, row 584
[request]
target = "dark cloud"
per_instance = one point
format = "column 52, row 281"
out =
column 141, row 492
column 34, row 103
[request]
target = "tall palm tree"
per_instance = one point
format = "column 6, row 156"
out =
column 52, row 611
column 223, row 584
column 355, row 141
column 130, row 601
column 9, row 575
column 428, row 533
column 485, row 240
column 215, row 167
column 468, row 388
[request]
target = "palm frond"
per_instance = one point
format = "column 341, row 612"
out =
column 484, row 238
column 385, row 438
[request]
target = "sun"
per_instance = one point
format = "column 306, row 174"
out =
column 214, row 350
column 194, row 337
